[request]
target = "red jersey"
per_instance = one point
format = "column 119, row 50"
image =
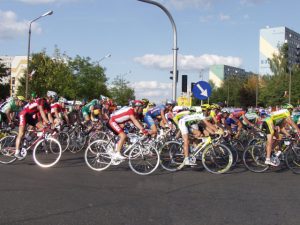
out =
column 32, row 108
column 122, row 115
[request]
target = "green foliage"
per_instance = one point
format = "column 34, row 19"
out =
column 121, row 92
column 4, row 88
column 72, row 78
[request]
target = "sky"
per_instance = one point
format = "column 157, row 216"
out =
column 139, row 36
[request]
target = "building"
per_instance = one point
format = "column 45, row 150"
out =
column 17, row 66
column 219, row 73
column 270, row 40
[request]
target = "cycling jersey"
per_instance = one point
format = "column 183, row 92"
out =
column 153, row 113
column 189, row 120
column 275, row 118
column 56, row 106
column 179, row 115
column 30, row 113
column 120, row 116
column 86, row 110
column 11, row 106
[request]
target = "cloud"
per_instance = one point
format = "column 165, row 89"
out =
column 10, row 27
column 252, row 2
column 186, row 62
column 37, row 2
column 182, row 4
column 224, row 17
column 153, row 90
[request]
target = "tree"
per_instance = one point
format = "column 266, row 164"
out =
column 121, row 92
column 4, row 87
column 72, row 78
column 90, row 79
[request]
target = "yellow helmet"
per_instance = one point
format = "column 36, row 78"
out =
column 205, row 107
column 96, row 112
column 21, row 98
column 215, row 106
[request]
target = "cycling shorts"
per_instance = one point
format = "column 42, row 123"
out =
column 268, row 126
column 115, row 127
column 26, row 118
column 149, row 120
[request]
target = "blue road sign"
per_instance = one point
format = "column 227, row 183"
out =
column 202, row 90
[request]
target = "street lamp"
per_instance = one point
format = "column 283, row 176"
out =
column 28, row 52
column 175, row 49
column 104, row 57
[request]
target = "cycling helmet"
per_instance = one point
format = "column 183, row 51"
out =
column 96, row 112
column 215, row 106
column 62, row 100
column 145, row 101
column 170, row 102
column 21, row 98
column 263, row 112
column 51, row 94
column 288, row 106
column 205, row 107
column 225, row 110
column 151, row 104
column 33, row 95
column 137, row 103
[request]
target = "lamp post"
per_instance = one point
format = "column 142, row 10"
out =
column 104, row 57
column 175, row 49
column 28, row 51
column 290, row 83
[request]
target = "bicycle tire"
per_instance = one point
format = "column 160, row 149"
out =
column 8, row 149
column 217, row 159
column 254, row 157
column 143, row 159
column 77, row 140
column 292, row 159
column 97, row 153
column 41, row 151
column 171, row 156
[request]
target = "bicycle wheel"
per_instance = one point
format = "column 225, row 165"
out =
column 171, row 155
column 77, row 140
column 292, row 159
column 239, row 150
column 217, row 159
column 64, row 140
column 7, row 149
column 97, row 155
column 143, row 160
column 99, row 135
column 254, row 158
column 47, row 152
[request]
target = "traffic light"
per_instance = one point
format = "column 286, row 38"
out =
column 171, row 77
column 192, row 85
column 298, row 54
column 184, row 83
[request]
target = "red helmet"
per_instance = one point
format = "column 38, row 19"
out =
column 136, row 103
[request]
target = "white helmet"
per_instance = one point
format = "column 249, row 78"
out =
column 63, row 100
column 51, row 94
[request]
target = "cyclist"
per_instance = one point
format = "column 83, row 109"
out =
column 87, row 109
column 274, row 124
column 117, row 121
column 198, row 125
column 10, row 108
column 39, row 108
column 158, row 113
column 59, row 112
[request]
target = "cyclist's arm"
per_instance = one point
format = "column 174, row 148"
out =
column 163, row 118
column 43, row 114
column 136, row 122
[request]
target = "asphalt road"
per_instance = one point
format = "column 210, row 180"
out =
column 71, row 193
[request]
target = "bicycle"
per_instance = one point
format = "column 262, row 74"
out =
column 46, row 149
column 215, row 157
column 255, row 155
column 142, row 157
